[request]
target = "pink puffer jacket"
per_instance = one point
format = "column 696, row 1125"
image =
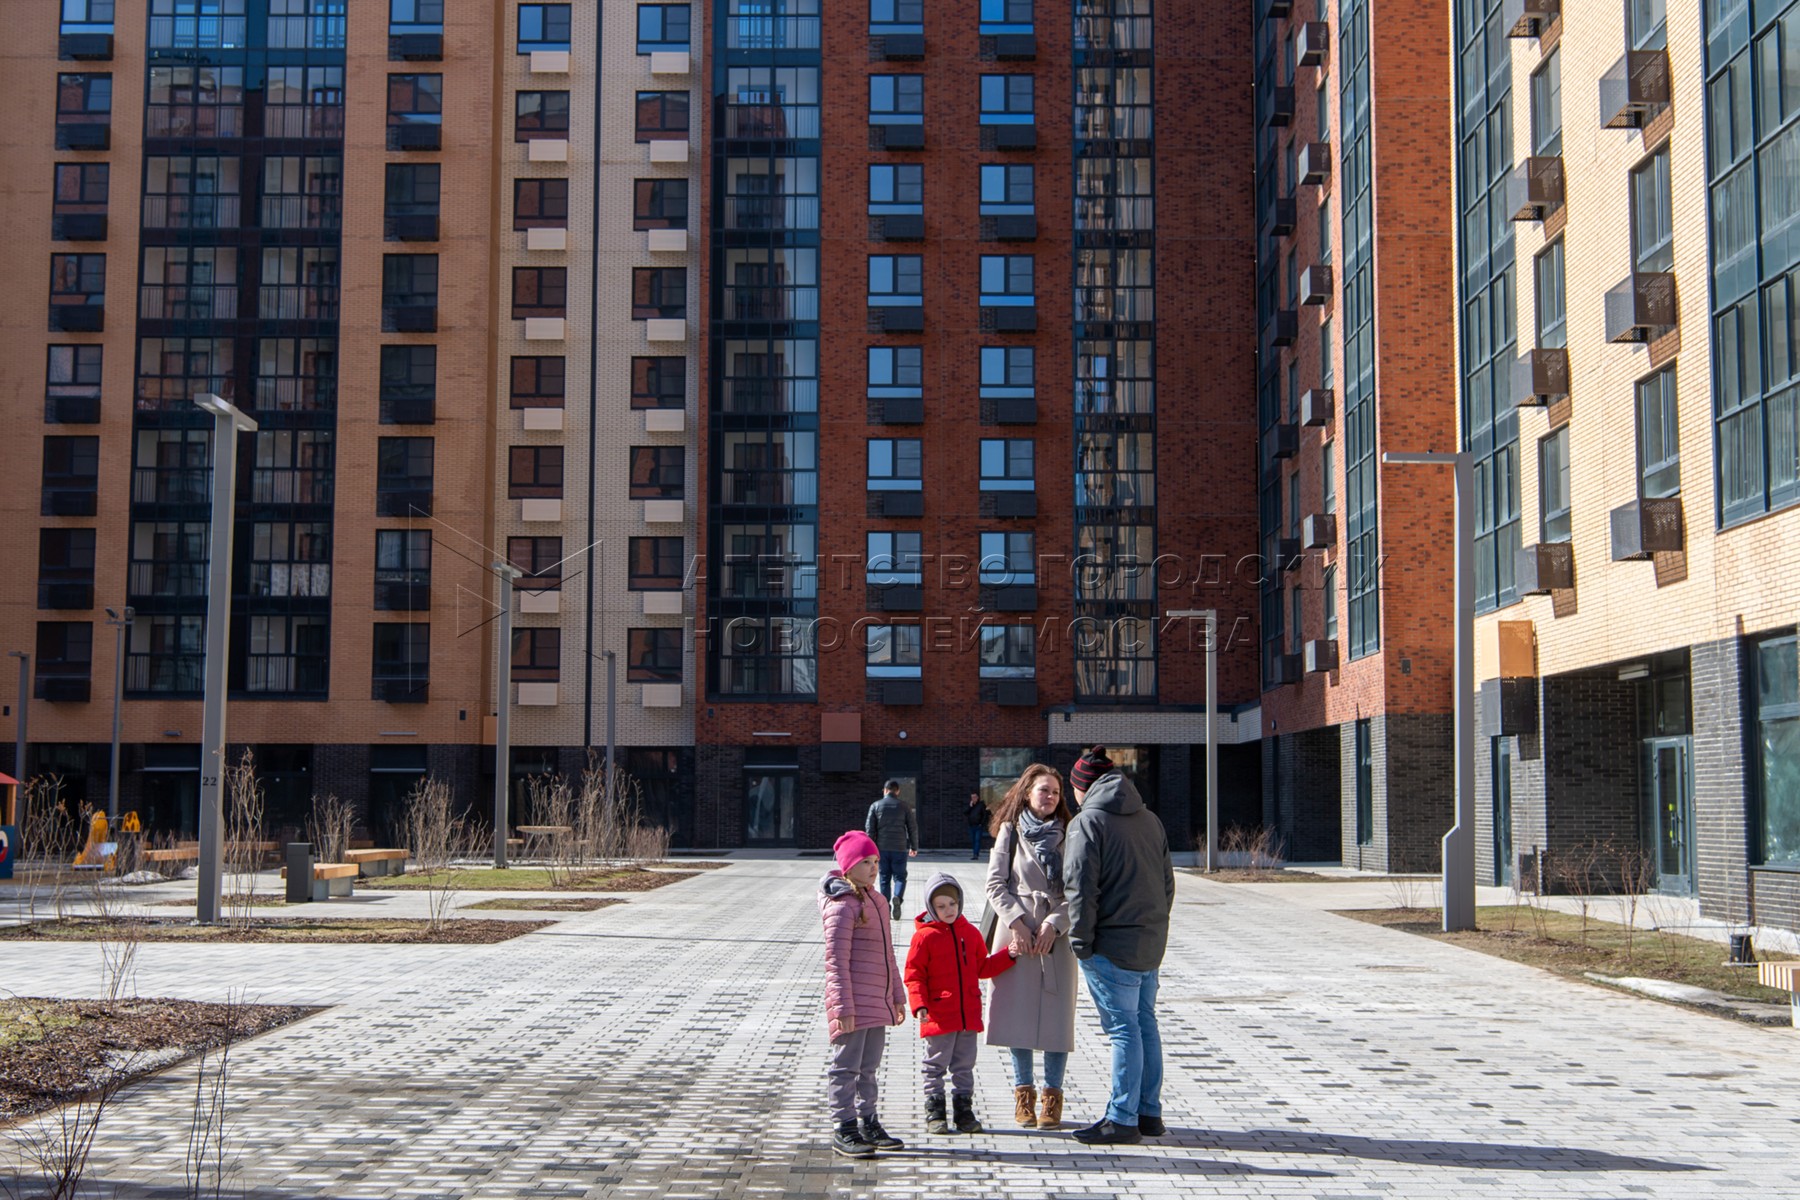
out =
column 863, row 988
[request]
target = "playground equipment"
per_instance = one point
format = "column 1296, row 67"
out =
column 97, row 855
column 9, row 825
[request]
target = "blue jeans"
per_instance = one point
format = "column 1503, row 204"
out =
column 1055, row 1063
column 974, row 841
column 1127, row 1004
column 893, row 874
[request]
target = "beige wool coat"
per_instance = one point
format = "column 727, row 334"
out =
column 1033, row 1005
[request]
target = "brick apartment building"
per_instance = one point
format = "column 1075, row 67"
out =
column 1636, row 649
column 980, row 279
column 1355, row 290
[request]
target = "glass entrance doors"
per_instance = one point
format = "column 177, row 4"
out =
column 1668, row 774
column 769, row 806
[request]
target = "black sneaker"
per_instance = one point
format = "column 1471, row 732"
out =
column 1151, row 1126
column 878, row 1137
column 849, row 1141
column 1105, row 1133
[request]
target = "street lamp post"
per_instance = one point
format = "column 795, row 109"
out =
column 1459, row 843
column 503, row 714
column 121, row 620
column 228, row 422
column 24, row 711
column 1211, row 617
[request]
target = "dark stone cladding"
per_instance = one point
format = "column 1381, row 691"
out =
column 1723, row 798
column 1413, row 785
column 1302, row 793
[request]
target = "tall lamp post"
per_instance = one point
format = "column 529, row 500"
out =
column 503, row 713
column 121, row 620
column 1211, row 617
column 1459, row 843
column 228, row 422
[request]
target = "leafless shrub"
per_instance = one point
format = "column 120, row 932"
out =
column 435, row 838
column 210, row 1166
column 1578, row 874
column 244, row 806
column 57, row 1147
column 1667, row 914
column 1256, row 848
column 1405, row 892
column 553, row 803
column 121, row 933
column 51, row 837
column 1634, row 870
column 330, row 827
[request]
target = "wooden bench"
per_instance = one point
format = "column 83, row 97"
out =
column 537, row 837
column 1784, row 977
column 173, row 854
column 333, row 879
column 378, row 862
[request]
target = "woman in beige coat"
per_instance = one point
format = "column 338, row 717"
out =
column 1033, row 1006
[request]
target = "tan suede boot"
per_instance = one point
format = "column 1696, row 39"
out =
column 1050, row 1114
column 1025, row 1105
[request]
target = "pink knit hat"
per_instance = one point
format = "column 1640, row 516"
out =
column 852, row 848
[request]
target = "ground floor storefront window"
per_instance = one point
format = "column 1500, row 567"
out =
column 1777, row 737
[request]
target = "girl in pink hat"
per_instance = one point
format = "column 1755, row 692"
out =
column 864, row 993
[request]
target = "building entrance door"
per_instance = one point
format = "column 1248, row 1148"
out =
column 1503, row 833
column 1669, row 778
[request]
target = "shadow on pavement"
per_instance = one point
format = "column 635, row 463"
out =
column 1493, row 1156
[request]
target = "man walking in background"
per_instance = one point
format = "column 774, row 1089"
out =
column 896, row 832
column 1120, row 884
column 978, row 816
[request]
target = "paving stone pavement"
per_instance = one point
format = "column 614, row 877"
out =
column 674, row 1047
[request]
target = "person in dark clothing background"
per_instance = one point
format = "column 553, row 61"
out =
column 978, row 818
column 896, row 832
column 1120, row 883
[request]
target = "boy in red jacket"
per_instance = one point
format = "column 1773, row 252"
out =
column 944, row 967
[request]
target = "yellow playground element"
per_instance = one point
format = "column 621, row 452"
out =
column 98, row 852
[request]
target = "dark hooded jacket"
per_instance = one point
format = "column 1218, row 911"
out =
column 945, row 966
column 1119, row 877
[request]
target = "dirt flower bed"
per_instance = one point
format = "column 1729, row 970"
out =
column 260, row 900
column 1571, row 947
column 383, row 930
column 689, row 864
column 547, row 903
column 53, row 1051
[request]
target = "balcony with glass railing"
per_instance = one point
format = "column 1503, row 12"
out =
column 164, row 674
column 1115, row 214
column 163, row 579
column 188, row 302
column 291, row 485
column 771, row 122
column 1115, row 304
column 751, row 31
column 190, row 212
column 763, row 213
column 285, row 302
column 171, row 485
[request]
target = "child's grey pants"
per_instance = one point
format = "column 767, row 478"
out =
column 855, row 1058
column 955, row 1053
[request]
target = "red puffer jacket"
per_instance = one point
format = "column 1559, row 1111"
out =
column 944, row 967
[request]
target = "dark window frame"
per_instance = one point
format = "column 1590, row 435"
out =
column 656, row 564
column 531, row 370
column 535, row 472
column 540, row 292
column 541, row 560
column 412, row 100
column 406, row 281
column 650, row 389
column 537, row 654
column 659, row 204
column 671, row 27
column 540, row 203
column 653, row 655
column 668, row 113
column 549, row 26
column 540, row 114
column 658, row 472
column 649, row 293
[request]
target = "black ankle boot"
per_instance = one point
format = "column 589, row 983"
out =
column 934, row 1115
column 878, row 1137
column 965, row 1114
column 849, row 1141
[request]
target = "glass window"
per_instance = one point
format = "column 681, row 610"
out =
column 1365, row 784
column 658, row 292
column 1652, row 224
column 1008, row 279
column 1008, row 559
column 537, row 655
column 893, row 651
column 81, row 95
column 1646, row 24
column 1008, row 371
column 540, row 292
column 78, row 279
column 543, row 115
column 73, row 372
column 660, row 115
column 658, row 472
column 1329, row 596
column 896, row 99
column 662, row 27
column 403, row 556
column 540, row 558
column 415, row 16
column 1000, row 768
column 415, row 99
column 1552, row 311
column 543, row 27
column 1777, row 735
column 1328, row 477
column 87, row 16
column 409, row 280
column 1008, row 188
column 896, row 279
column 656, row 204
column 1553, row 487
column 538, row 381
column 656, row 564
column 1008, row 652
column 896, row 188
column 659, row 382
column 1007, row 99
column 1659, row 436
column 896, row 464
column 653, row 656
column 402, row 653
column 895, row 558
column 535, row 473
column 1546, row 107
column 542, row 203
column 896, row 16
column 1006, row 16
column 1008, row 464
column 896, row 372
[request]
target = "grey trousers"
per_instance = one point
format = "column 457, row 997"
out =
column 850, row 1082
column 955, row 1053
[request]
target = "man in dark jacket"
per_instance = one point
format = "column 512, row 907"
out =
column 1121, row 888
column 896, row 832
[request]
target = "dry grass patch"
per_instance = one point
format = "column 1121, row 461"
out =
column 547, row 903
column 383, row 930
column 531, row 879
column 1568, row 945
